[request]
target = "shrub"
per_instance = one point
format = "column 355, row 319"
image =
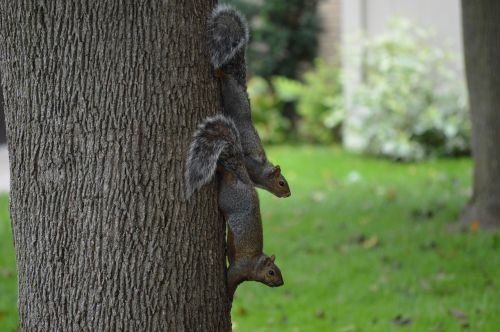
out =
column 318, row 103
column 284, row 35
column 272, row 126
column 411, row 104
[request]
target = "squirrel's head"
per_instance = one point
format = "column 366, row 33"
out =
column 267, row 272
column 279, row 186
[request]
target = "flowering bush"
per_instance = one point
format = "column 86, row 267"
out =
column 411, row 103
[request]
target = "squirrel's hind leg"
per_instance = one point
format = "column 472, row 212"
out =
column 232, row 283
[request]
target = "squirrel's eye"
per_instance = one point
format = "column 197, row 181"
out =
column 271, row 272
column 282, row 183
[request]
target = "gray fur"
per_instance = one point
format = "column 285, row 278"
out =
column 239, row 203
column 236, row 105
column 216, row 140
column 228, row 37
column 228, row 34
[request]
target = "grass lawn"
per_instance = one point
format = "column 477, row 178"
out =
column 363, row 245
column 8, row 296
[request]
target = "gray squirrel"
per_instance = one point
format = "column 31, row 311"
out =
column 216, row 147
column 228, row 38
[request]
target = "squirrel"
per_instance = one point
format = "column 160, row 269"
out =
column 216, row 147
column 228, row 38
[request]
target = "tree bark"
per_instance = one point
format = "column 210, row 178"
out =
column 3, row 134
column 101, row 99
column 481, row 30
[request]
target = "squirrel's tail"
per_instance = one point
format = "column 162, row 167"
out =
column 228, row 31
column 217, row 140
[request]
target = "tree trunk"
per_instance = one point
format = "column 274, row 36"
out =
column 3, row 134
column 101, row 99
column 481, row 30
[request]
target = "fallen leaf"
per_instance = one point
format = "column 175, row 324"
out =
column 443, row 276
column 391, row 195
column 401, row 321
column 360, row 238
column 474, row 226
column 6, row 273
column 370, row 242
column 242, row 311
column 342, row 248
column 318, row 197
column 460, row 316
column 364, row 221
column 348, row 328
column 320, row 314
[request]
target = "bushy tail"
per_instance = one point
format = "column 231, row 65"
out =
column 216, row 140
column 228, row 34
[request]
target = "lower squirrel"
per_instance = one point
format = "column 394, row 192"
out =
column 215, row 147
column 228, row 37
column 240, row 205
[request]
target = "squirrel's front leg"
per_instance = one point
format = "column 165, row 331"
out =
column 233, row 280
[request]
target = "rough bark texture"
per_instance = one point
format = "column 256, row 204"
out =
column 101, row 99
column 481, row 30
column 3, row 136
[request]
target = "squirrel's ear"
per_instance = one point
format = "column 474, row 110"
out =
column 277, row 170
column 272, row 258
column 263, row 262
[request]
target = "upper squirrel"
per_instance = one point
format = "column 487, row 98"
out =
column 228, row 38
column 216, row 145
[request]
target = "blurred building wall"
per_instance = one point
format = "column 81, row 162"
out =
column 371, row 16
column 329, row 12
column 442, row 16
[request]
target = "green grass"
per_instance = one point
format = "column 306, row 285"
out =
column 8, row 293
column 360, row 242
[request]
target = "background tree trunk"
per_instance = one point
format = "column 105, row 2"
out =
column 481, row 30
column 3, row 134
column 101, row 100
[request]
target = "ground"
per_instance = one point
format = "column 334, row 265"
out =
column 363, row 244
